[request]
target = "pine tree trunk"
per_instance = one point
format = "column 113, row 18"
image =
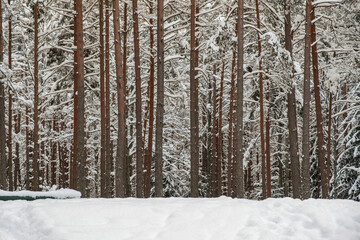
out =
column 214, row 146
column 306, row 109
column 234, row 143
column 160, row 101
column 220, row 134
column 268, row 162
column 120, row 165
column 54, row 156
column 36, row 159
column 3, row 161
column 102, row 102
column 148, row 151
column 319, row 120
column 139, row 149
column 261, row 99
column 17, row 176
column 74, row 164
column 239, row 175
column 209, row 141
column 10, row 157
column 194, row 108
column 108, row 166
column 27, row 147
column 124, row 62
column 328, row 158
column 292, row 123
column 79, row 109
column 231, row 123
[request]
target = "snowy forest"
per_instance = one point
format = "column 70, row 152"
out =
column 175, row 98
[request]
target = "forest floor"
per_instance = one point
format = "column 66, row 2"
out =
column 178, row 218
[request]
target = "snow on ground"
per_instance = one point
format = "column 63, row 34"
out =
column 178, row 218
column 58, row 194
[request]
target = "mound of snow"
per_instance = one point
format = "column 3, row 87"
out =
column 178, row 218
column 58, row 194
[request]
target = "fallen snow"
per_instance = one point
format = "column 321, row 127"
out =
column 58, row 194
column 179, row 218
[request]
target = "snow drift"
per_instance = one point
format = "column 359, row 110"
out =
column 178, row 218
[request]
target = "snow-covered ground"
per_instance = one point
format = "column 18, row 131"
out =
column 178, row 218
column 57, row 194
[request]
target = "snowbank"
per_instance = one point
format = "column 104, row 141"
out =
column 183, row 219
column 57, row 194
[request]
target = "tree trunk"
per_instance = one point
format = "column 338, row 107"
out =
column 108, row 166
column 231, row 125
column 328, row 158
column 209, row 141
column 53, row 156
column 139, row 149
column 27, row 150
column 306, row 109
column 74, row 165
column 194, row 108
column 261, row 99
column 319, row 120
column 268, row 162
column 102, row 102
column 10, row 160
column 220, row 134
column 148, row 151
column 35, row 183
column 3, row 161
column 160, row 101
column 128, row 157
column 213, row 163
column 239, row 175
column 42, row 164
column 79, row 109
column 17, row 119
column 120, row 165
column 292, row 123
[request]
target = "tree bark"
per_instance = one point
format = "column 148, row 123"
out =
column 54, row 155
column 148, row 153
column 319, row 120
column 261, row 99
column 10, row 157
column 292, row 123
column 306, row 107
column 80, row 157
column 209, row 141
column 268, row 162
column 17, row 176
column 239, row 175
column 108, row 156
column 139, row 149
column 120, row 165
column 231, row 123
column 160, row 101
column 128, row 157
column 328, row 158
column 220, row 163
column 27, row 150
column 102, row 102
column 194, row 108
column 213, row 164
column 3, row 160
column 35, row 183
column 73, row 164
